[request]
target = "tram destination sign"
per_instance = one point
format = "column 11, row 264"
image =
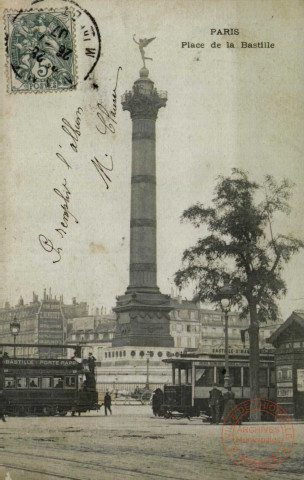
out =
column 38, row 362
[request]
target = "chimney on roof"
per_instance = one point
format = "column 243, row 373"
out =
column 179, row 299
column 74, row 300
column 50, row 293
column 44, row 294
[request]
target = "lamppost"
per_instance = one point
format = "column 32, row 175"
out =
column 115, row 390
column 225, row 295
column 148, row 367
column 15, row 329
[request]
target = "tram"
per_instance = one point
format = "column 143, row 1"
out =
column 194, row 375
column 47, row 386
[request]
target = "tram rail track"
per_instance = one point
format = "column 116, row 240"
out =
column 99, row 466
column 89, row 465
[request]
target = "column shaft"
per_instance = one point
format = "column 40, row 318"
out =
column 143, row 205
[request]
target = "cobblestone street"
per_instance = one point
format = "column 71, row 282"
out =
column 130, row 444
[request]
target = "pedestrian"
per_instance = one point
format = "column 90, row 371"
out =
column 107, row 401
column 3, row 406
column 229, row 404
column 215, row 401
column 155, row 403
column 91, row 363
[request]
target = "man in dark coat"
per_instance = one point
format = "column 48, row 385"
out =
column 107, row 403
column 91, row 363
column 215, row 401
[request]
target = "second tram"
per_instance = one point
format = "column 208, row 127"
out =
column 193, row 376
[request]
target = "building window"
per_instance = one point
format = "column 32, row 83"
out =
column 284, row 392
column 120, row 353
column 160, row 354
column 178, row 341
column 133, row 353
column 124, row 353
column 284, row 372
column 188, row 328
column 141, row 353
column 106, row 354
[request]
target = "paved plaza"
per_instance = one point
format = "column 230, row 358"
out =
column 130, row 444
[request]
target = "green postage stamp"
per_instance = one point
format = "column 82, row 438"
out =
column 40, row 48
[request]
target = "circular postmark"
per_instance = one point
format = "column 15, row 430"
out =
column 258, row 446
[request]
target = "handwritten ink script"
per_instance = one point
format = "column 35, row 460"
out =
column 106, row 123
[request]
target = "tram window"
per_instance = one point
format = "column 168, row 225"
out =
column 220, row 373
column 46, row 382
column 33, row 382
column 263, row 377
column 235, row 375
column 10, row 382
column 246, row 377
column 58, row 382
column 70, row 382
column 22, row 382
column 204, row 376
column 183, row 376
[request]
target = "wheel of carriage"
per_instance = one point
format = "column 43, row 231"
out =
column 21, row 411
column 62, row 412
column 48, row 410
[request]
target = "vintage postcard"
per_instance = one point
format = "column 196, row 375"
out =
column 152, row 235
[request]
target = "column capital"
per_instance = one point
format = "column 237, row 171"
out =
column 143, row 104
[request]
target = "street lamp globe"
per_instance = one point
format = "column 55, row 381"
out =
column 225, row 304
column 225, row 294
column 15, row 327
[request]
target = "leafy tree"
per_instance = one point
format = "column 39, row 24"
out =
column 240, row 245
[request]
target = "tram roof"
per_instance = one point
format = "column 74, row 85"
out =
column 204, row 357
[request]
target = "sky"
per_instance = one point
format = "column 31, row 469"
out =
column 226, row 108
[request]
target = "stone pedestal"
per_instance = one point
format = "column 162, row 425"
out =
column 142, row 313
